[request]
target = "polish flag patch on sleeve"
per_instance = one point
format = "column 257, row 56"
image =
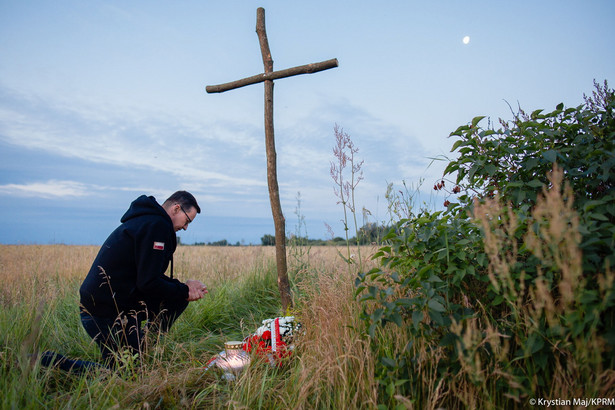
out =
column 159, row 246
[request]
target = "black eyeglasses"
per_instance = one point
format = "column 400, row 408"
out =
column 182, row 208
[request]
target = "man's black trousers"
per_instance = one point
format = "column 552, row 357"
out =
column 127, row 330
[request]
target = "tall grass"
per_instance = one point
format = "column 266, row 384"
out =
column 332, row 367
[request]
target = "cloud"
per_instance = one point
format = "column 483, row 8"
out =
column 48, row 189
column 57, row 188
column 215, row 157
column 191, row 150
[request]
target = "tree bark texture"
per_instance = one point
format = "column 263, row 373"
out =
column 272, row 178
column 289, row 72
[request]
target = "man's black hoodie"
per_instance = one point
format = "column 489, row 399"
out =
column 129, row 268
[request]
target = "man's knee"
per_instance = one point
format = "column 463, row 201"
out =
column 168, row 313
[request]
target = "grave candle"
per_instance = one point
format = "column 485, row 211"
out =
column 233, row 360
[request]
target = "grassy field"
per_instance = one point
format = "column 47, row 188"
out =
column 332, row 367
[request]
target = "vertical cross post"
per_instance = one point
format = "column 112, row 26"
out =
column 272, row 180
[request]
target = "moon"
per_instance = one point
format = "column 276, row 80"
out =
column 466, row 40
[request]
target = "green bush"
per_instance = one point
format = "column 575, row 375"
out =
column 514, row 161
column 508, row 292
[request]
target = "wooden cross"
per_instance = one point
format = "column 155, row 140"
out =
column 272, row 180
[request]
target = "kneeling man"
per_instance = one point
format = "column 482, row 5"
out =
column 127, row 285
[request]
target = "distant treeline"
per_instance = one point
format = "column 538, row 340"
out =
column 370, row 233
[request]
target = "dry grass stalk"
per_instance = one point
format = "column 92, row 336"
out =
column 499, row 229
column 332, row 353
column 557, row 244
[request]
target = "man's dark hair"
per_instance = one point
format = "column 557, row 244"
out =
column 185, row 199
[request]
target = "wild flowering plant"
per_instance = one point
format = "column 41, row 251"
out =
column 347, row 172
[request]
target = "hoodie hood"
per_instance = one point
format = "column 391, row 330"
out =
column 145, row 205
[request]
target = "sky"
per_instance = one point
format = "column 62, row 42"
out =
column 103, row 101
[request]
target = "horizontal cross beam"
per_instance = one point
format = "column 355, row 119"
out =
column 274, row 75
